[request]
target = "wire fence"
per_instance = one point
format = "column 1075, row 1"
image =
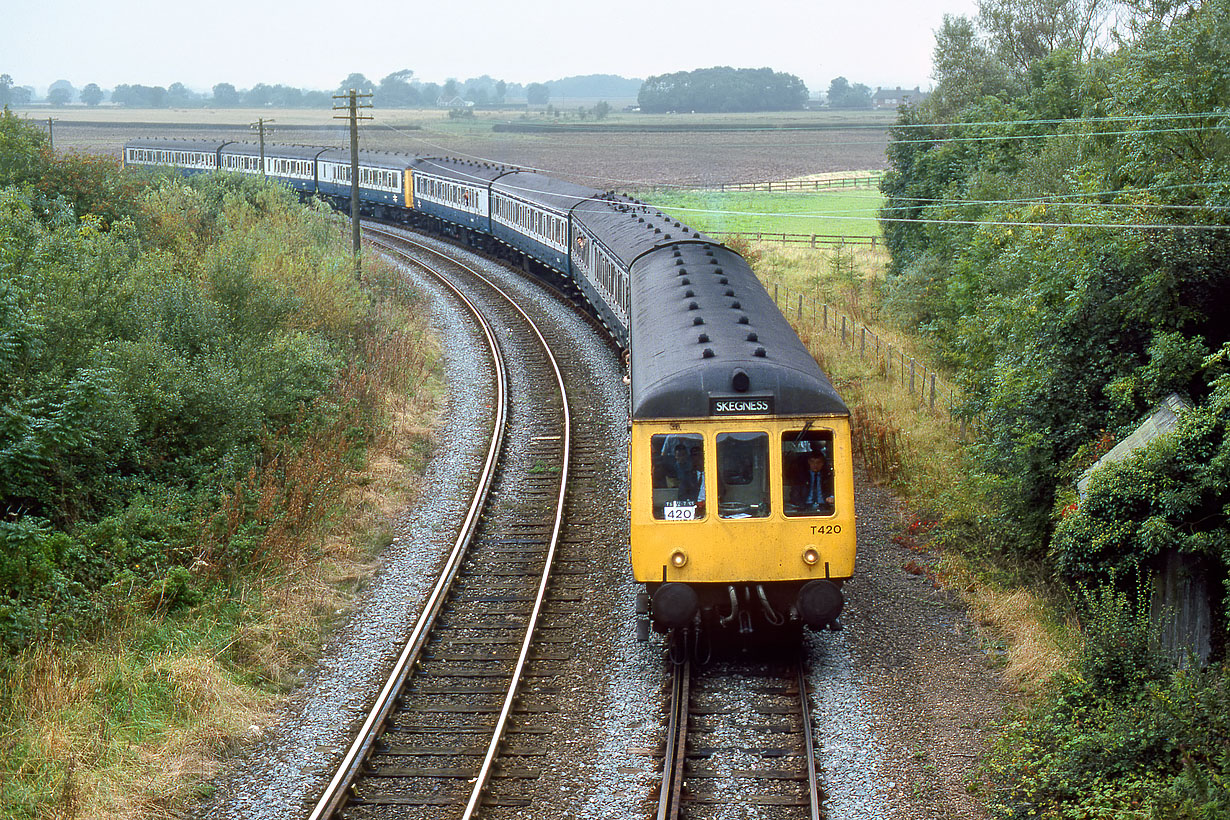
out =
column 911, row 376
column 791, row 185
column 813, row 240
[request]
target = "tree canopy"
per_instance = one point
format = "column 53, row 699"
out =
column 722, row 89
column 843, row 95
column 1058, row 217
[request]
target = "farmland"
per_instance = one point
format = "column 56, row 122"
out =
column 627, row 153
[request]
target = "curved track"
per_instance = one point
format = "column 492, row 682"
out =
column 433, row 736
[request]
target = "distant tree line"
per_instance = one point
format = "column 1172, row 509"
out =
column 843, row 95
column 397, row 90
column 722, row 89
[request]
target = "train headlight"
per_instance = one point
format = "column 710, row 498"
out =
column 811, row 556
column 679, row 559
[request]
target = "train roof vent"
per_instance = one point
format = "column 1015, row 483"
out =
column 685, row 280
column 736, row 306
column 693, row 306
column 743, row 320
column 699, row 320
column 703, row 339
column 667, row 236
column 723, row 281
column 707, row 353
column 729, row 292
column 752, row 337
column 688, row 294
column 759, row 353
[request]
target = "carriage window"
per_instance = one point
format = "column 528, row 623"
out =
column 807, row 472
column 743, row 475
column 678, row 476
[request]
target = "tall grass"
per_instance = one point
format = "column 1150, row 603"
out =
column 128, row 720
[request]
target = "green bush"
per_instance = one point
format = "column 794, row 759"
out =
column 1124, row 736
column 161, row 338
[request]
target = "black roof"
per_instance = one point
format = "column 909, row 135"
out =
column 630, row 229
column 371, row 159
column 699, row 315
column 466, row 171
column 252, row 149
column 554, row 194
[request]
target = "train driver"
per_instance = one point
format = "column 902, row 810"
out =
column 818, row 492
column 686, row 475
column 811, row 486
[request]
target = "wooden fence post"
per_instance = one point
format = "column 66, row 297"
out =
column 775, row 293
column 826, row 316
column 932, row 391
column 888, row 362
column 862, row 341
column 800, row 308
column 913, row 365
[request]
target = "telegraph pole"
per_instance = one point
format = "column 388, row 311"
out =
column 353, row 102
column 260, row 126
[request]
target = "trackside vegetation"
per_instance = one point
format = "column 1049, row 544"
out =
column 1058, row 216
column 199, row 405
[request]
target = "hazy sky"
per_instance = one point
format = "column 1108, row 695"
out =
column 314, row 44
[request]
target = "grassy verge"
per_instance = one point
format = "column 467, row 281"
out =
column 918, row 451
column 824, row 213
column 128, row 721
column 207, row 425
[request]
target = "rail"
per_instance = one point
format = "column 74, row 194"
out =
column 673, row 803
column 670, row 797
column 336, row 792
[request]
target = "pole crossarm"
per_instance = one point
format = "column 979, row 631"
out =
column 354, row 103
column 260, row 124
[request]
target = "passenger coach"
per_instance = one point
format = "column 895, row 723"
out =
column 190, row 156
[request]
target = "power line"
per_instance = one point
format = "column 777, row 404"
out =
column 987, row 222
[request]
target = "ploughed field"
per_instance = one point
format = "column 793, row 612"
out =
column 756, row 148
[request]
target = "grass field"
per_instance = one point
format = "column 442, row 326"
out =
column 824, row 213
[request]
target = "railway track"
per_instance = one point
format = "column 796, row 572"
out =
column 739, row 735
column 430, row 744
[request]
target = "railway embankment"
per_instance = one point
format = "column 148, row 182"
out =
column 207, row 419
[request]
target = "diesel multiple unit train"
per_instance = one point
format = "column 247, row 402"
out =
column 741, row 490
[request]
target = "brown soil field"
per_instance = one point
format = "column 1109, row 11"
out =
column 611, row 159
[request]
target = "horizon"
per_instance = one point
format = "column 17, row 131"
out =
column 137, row 42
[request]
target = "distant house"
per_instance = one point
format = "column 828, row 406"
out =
column 453, row 102
column 893, row 97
